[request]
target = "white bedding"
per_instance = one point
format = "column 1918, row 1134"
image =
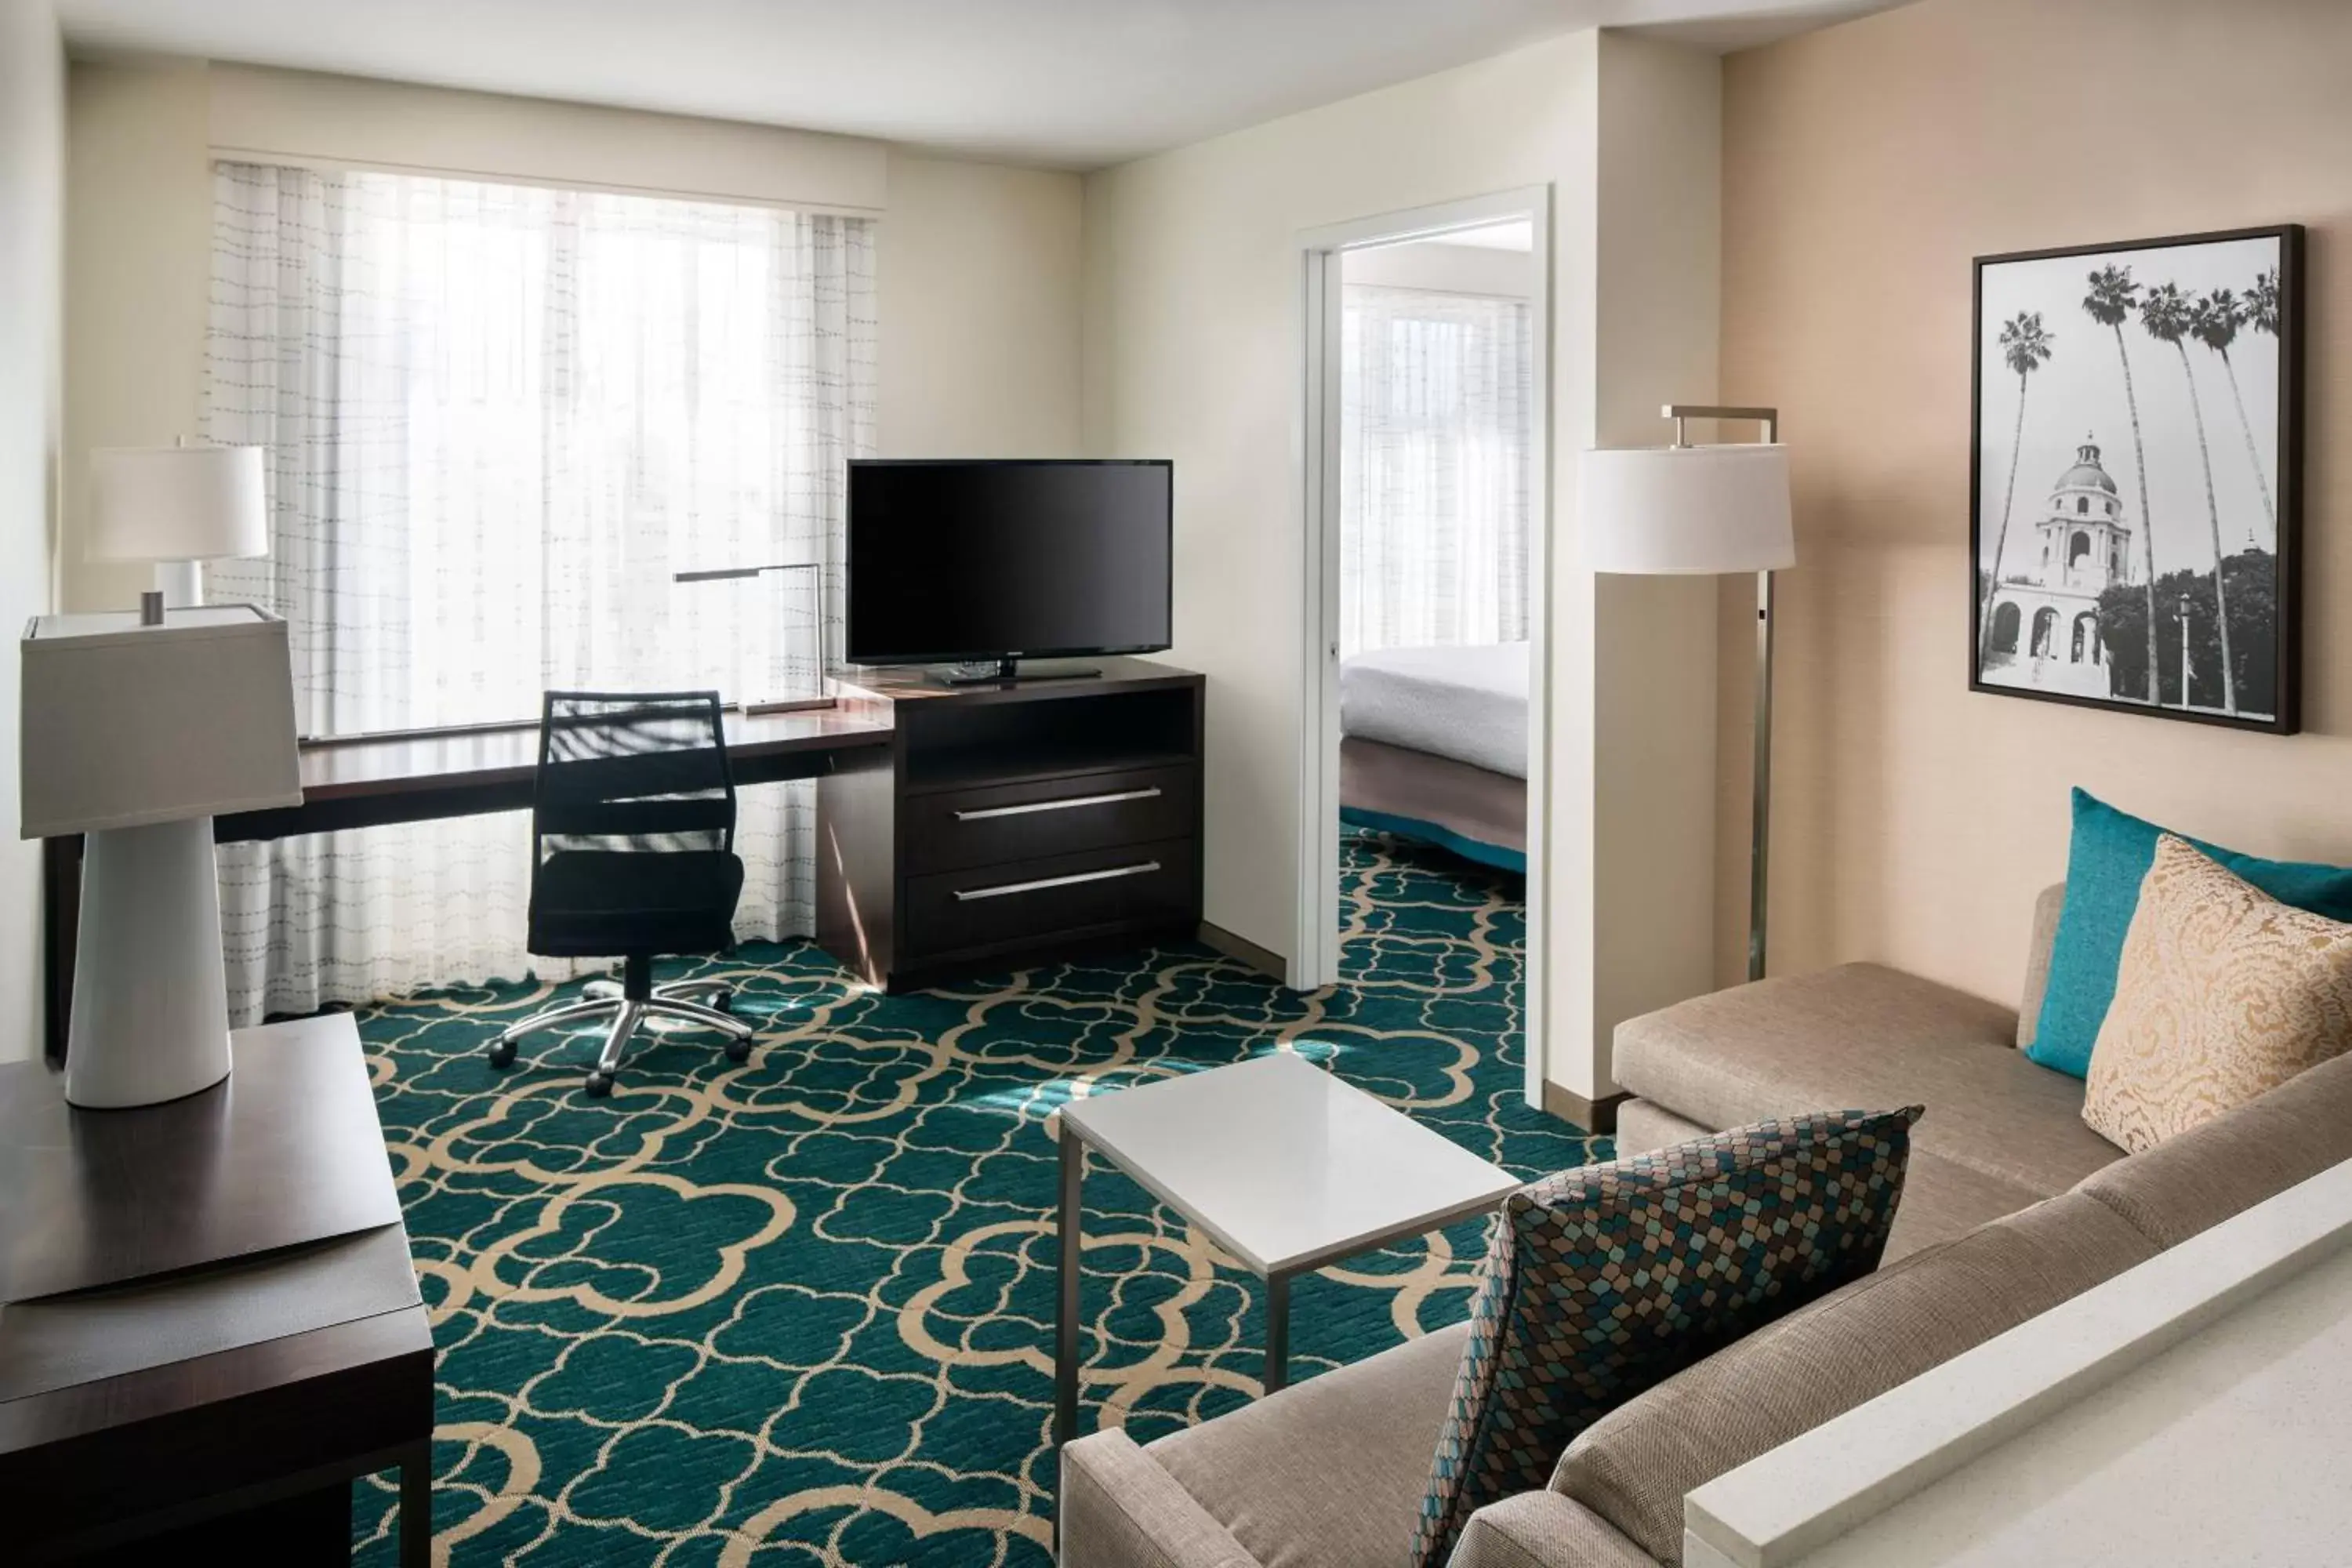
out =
column 1468, row 703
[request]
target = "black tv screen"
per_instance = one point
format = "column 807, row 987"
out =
column 965, row 561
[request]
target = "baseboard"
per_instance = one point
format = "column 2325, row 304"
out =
column 1265, row 960
column 1598, row 1116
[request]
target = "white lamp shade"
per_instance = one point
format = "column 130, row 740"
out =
column 175, row 503
column 1653, row 510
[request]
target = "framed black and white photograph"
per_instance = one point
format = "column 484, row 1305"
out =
column 2134, row 503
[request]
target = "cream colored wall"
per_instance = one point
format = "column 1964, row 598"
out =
column 978, row 281
column 978, row 265
column 1192, row 351
column 1864, row 165
column 32, row 160
column 138, row 283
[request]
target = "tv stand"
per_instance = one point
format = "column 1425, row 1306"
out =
column 1009, row 670
column 1012, row 823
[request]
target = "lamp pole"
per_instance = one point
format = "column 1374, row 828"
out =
column 1760, row 834
column 2184, row 649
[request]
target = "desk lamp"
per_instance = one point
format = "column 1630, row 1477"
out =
column 177, row 507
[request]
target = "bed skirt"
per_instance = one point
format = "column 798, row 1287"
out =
column 1477, row 814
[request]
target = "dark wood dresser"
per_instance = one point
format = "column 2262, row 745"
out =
column 1012, row 823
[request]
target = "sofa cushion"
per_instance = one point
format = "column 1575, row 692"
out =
column 1632, row 1465
column 1863, row 1034
column 1329, row 1472
column 1941, row 1199
column 1544, row 1529
column 2223, row 994
column 1601, row 1281
column 2106, row 859
column 1118, row 1509
column 2235, row 1161
column 2047, row 910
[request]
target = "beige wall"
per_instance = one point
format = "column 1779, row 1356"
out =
column 1864, row 165
column 1192, row 351
column 32, row 159
column 137, row 282
column 978, row 265
column 980, row 282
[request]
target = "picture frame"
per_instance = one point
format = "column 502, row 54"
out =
column 2135, row 477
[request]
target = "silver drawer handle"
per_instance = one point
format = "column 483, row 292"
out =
column 965, row 895
column 1074, row 801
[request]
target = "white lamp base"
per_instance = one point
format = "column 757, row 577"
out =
column 181, row 584
column 151, row 991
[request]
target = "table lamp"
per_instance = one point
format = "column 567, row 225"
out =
column 135, row 734
column 1680, row 510
column 176, row 506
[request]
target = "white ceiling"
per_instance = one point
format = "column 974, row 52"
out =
column 1072, row 83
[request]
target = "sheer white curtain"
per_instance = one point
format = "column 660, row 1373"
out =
column 1433, row 469
column 499, row 418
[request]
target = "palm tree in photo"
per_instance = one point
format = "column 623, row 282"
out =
column 2215, row 321
column 2025, row 346
column 2167, row 315
column 2263, row 303
column 2113, row 294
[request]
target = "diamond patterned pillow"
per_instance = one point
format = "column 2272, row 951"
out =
column 1603, row 1281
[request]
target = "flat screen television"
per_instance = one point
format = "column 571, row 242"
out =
column 966, row 561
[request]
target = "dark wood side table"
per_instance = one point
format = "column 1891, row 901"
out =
column 209, row 1324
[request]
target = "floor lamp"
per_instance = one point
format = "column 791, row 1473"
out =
column 1683, row 511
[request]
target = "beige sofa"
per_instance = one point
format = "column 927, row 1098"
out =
column 2011, row 1205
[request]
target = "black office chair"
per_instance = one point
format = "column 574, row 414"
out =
column 633, row 819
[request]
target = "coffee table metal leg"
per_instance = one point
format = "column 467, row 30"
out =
column 1066, row 1323
column 1277, row 1332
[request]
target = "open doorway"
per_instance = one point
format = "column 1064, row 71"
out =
column 1426, row 511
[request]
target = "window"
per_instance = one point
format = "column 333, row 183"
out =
column 498, row 419
column 1434, row 409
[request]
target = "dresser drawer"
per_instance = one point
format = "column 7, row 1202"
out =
column 1064, row 895
column 1002, row 823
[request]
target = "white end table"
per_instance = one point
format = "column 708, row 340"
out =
column 1283, row 1165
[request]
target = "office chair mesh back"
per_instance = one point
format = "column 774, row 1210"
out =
column 635, row 819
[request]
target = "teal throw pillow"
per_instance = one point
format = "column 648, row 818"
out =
column 1606, row 1280
column 2105, row 863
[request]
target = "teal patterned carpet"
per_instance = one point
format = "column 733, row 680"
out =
column 799, row 1311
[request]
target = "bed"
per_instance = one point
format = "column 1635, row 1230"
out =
column 1433, row 746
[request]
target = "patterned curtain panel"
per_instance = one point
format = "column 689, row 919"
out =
column 499, row 418
column 1434, row 487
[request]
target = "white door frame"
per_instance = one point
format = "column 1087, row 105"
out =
column 1315, row 944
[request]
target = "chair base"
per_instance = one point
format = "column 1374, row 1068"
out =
column 628, row 1002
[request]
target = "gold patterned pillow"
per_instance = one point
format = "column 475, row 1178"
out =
column 2222, row 995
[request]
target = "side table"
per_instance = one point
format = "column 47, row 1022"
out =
column 209, row 1322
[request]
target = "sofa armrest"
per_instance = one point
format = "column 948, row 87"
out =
column 1120, row 1509
column 1543, row 1530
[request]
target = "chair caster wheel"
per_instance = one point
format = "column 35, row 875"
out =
column 600, row 1084
column 724, row 1000
column 739, row 1050
column 502, row 1053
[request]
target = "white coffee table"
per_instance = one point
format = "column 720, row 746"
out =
column 1284, row 1165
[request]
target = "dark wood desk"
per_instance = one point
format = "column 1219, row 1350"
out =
column 210, row 1322
column 367, row 784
